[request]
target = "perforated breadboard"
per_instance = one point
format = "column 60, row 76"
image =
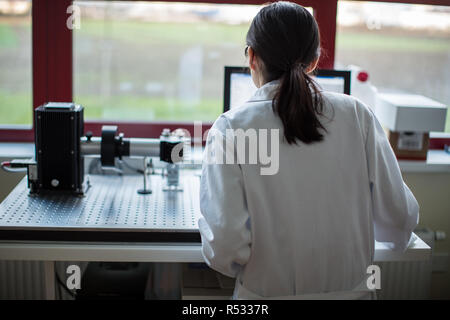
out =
column 110, row 210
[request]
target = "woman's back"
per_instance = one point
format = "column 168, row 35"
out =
column 308, row 228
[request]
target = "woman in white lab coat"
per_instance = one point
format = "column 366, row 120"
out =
column 305, row 227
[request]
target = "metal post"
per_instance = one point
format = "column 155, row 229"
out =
column 145, row 190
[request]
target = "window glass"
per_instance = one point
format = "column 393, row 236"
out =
column 144, row 61
column 403, row 47
column 15, row 63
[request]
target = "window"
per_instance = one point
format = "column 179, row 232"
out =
column 402, row 46
column 136, row 61
column 113, row 91
column 15, row 63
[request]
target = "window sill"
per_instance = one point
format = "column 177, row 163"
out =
column 438, row 160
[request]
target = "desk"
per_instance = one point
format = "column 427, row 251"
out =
column 161, row 227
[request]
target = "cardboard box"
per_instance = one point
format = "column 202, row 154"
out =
column 409, row 145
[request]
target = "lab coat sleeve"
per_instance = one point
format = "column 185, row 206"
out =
column 225, row 223
column 395, row 209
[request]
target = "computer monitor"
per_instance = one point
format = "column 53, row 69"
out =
column 239, row 86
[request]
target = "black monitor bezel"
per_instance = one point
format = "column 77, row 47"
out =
column 346, row 74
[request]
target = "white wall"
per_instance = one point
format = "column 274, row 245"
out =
column 432, row 191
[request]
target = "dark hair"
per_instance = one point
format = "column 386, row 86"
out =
column 285, row 36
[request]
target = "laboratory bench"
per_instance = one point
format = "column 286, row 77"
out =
column 112, row 222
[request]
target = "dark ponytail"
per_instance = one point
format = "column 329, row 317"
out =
column 285, row 36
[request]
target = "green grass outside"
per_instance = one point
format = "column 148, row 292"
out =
column 164, row 33
column 383, row 42
column 14, row 107
column 135, row 108
column 8, row 37
column 218, row 34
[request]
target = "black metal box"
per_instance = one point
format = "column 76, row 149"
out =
column 58, row 129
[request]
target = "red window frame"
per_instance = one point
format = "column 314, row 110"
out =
column 52, row 60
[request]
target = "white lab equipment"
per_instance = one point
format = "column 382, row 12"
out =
column 362, row 88
column 410, row 112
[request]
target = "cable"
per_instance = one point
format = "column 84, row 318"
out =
column 131, row 167
column 6, row 165
column 14, row 170
column 59, row 290
column 112, row 169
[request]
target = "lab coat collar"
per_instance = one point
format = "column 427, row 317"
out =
column 266, row 92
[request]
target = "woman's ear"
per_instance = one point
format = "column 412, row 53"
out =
column 255, row 68
column 312, row 66
column 252, row 59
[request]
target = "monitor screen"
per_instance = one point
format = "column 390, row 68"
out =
column 239, row 86
column 334, row 84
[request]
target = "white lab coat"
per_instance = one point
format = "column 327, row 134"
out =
column 309, row 230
